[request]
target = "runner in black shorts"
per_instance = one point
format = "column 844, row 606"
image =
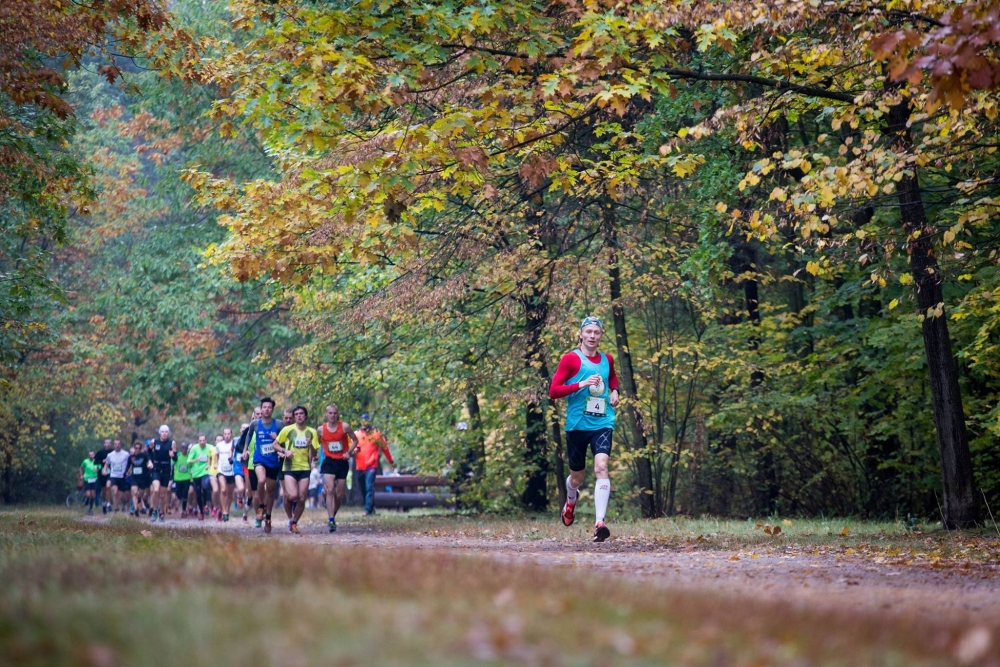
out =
column 88, row 469
column 586, row 378
column 162, row 451
column 141, row 467
column 116, row 464
column 103, row 487
column 337, row 444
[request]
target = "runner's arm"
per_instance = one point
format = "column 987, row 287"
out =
column 385, row 450
column 278, row 443
column 569, row 366
column 612, row 382
column 350, row 434
column 314, row 450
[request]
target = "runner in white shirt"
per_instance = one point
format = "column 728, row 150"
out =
column 117, row 469
column 223, row 462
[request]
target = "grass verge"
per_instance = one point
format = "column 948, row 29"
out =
column 131, row 594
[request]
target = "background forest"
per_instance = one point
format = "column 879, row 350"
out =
column 785, row 214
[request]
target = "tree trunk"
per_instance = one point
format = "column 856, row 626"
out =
column 473, row 465
column 536, row 310
column 644, row 467
column 960, row 508
column 765, row 491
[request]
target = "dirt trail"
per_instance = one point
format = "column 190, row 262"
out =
column 819, row 582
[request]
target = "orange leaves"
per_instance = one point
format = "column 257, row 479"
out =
column 958, row 55
column 473, row 156
column 537, row 168
column 768, row 529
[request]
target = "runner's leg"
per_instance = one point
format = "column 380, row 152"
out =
column 602, row 488
column 216, row 496
column 300, row 507
column 330, row 494
column 154, row 492
column 290, row 497
column 290, row 487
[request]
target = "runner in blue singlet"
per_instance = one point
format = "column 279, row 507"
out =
column 266, row 463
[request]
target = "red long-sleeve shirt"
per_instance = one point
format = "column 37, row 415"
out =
column 569, row 366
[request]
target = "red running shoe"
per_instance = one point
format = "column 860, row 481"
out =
column 567, row 514
column 601, row 532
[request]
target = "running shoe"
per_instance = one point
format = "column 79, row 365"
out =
column 245, row 516
column 104, row 509
column 152, row 516
column 601, row 532
column 567, row 514
column 257, row 523
column 333, row 526
column 90, row 512
column 225, row 518
column 162, row 520
column 267, row 524
column 294, row 527
column 201, row 516
column 218, row 517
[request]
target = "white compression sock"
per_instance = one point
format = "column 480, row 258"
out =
column 602, row 494
column 572, row 492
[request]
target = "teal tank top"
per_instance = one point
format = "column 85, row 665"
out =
column 578, row 417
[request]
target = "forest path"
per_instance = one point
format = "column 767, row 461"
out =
column 957, row 589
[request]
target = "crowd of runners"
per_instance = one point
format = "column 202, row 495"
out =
column 274, row 458
column 283, row 460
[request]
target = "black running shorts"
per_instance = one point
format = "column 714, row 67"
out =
column 336, row 467
column 577, row 443
column 181, row 489
column 298, row 475
column 161, row 473
column 142, row 483
column 270, row 473
column 229, row 479
column 120, row 483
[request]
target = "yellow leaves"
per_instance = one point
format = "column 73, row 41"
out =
column 812, row 268
column 845, row 531
column 893, row 304
column 905, row 279
column 721, row 207
column 778, row 194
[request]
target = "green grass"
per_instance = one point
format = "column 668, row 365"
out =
column 126, row 593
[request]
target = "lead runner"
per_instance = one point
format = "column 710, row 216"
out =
column 587, row 377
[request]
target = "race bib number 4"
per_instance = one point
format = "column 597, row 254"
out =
column 596, row 407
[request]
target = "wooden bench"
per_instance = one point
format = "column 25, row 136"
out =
column 406, row 492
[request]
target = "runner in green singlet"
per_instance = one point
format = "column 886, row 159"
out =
column 89, row 470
